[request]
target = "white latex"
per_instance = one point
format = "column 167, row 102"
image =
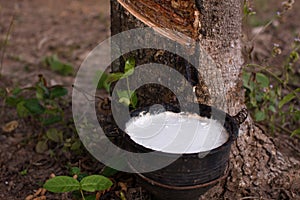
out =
column 176, row 132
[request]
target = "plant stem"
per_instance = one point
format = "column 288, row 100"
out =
column 82, row 195
column 269, row 72
column 5, row 43
column 268, row 24
column 86, row 94
column 283, row 129
column 276, row 77
column 262, row 30
column 128, row 88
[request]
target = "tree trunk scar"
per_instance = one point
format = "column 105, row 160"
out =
column 181, row 18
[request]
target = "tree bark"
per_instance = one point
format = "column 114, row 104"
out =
column 258, row 170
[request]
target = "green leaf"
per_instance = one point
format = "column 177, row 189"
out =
column 114, row 77
column 129, row 67
column 122, row 196
column 278, row 91
column 124, row 97
column 90, row 197
column 296, row 116
column 127, row 98
column 294, row 57
column 54, row 135
column 246, row 81
column 272, row 108
column 60, row 184
column 125, row 101
column 41, row 146
column 42, row 91
column 134, row 99
column 21, row 110
column 76, row 145
column 108, row 171
column 62, row 68
column 39, row 93
column 291, row 108
column 101, row 84
column 122, row 93
column 16, row 91
column 253, row 101
column 129, row 64
column 286, row 99
column 259, row 96
column 24, row 172
column 34, row 106
column 106, row 86
column 13, row 100
column 296, row 132
column 273, row 97
column 263, row 80
column 56, row 66
column 68, row 70
column 128, row 73
column 52, row 119
column 58, row 91
column 59, row 67
column 260, row 115
column 75, row 170
column 125, row 93
column 95, row 183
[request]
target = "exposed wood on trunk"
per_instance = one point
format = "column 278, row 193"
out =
column 180, row 16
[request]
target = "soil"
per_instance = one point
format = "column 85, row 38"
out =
column 71, row 29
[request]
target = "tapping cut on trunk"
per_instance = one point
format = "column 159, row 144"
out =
column 180, row 20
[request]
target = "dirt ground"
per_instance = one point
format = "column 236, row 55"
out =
column 71, row 29
column 67, row 28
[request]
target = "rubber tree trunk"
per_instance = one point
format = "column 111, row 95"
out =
column 257, row 169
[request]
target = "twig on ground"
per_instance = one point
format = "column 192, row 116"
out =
column 5, row 43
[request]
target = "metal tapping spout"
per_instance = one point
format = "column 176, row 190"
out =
column 241, row 116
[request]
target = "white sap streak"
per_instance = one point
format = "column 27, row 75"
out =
column 176, row 132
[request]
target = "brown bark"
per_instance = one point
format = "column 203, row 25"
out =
column 258, row 170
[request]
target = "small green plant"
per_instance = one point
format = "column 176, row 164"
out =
column 92, row 183
column 44, row 105
column 270, row 96
column 248, row 11
column 126, row 97
column 23, row 172
column 58, row 66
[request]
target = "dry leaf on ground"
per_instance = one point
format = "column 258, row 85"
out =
column 10, row 126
